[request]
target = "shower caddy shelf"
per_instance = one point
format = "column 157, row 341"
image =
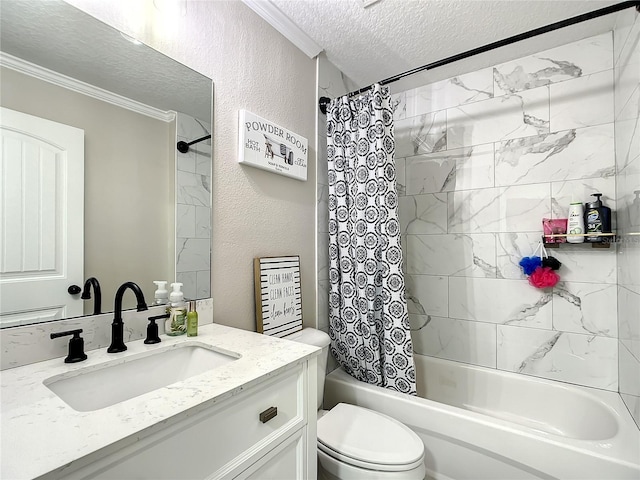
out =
column 610, row 238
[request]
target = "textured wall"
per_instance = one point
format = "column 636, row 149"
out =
column 255, row 213
column 485, row 156
column 626, row 44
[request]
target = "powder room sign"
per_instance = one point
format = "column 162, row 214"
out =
column 265, row 145
column 278, row 298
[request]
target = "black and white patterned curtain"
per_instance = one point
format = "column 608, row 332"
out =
column 369, row 324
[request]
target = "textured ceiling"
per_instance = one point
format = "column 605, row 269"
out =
column 62, row 38
column 393, row 36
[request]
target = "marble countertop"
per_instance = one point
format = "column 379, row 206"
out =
column 42, row 435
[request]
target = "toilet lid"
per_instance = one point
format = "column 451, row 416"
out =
column 363, row 437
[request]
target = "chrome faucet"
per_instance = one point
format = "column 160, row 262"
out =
column 117, row 327
column 97, row 295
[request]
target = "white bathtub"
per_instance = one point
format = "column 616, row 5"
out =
column 478, row 423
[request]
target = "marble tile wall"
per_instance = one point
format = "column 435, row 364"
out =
column 626, row 47
column 193, row 209
column 482, row 158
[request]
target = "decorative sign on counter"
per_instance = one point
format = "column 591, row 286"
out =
column 265, row 145
column 278, row 297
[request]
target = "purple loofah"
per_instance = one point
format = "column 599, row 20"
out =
column 529, row 264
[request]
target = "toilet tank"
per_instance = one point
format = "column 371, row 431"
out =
column 317, row 338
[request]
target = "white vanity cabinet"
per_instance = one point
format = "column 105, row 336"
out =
column 230, row 439
column 218, row 423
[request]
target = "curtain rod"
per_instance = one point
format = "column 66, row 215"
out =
column 324, row 101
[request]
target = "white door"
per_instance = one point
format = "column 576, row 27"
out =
column 42, row 218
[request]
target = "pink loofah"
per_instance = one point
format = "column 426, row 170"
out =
column 543, row 277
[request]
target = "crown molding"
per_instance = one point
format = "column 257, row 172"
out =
column 46, row 75
column 278, row 20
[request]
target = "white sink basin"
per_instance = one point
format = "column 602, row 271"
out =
column 98, row 387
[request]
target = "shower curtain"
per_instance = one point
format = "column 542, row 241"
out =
column 368, row 320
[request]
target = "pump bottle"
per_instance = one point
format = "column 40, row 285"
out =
column 176, row 324
column 161, row 295
column 597, row 219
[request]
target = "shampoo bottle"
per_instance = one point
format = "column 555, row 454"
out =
column 177, row 322
column 597, row 219
column 192, row 320
column 575, row 226
column 161, row 295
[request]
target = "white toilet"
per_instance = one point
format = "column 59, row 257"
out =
column 355, row 443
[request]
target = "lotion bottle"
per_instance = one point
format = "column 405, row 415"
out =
column 192, row 320
column 176, row 324
column 575, row 226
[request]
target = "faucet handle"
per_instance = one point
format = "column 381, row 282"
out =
column 76, row 345
column 152, row 329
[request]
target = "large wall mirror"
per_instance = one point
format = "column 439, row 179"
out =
column 92, row 182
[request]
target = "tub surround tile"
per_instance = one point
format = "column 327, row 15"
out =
column 203, row 222
column 505, row 209
column 193, row 189
column 555, row 65
column 459, row 340
column 421, row 134
column 322, row 208
column 563, row 193
column 401, row 182
column 186, row 162
column 627, row 139
column 189, row 281
column 509, row 302
column 624, row 25
column 458, row 169
column 323, row 256
column 203, row 158
column 203, row 284
column 427, row 295
column 423, row 214
column 452, row 255
column 627, row 69
column 498, row 119
column 452, row 92
column 587, row 265
column 510, row 249
column 185, row 220
column 190, row 128
column 566, row 155
column 399, row 105
column 629, row 326
column 586, row 308
column 192, row 254
column 629, row 371
column 583, row 359
column 568, row 108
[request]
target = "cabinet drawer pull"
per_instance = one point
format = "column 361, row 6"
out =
column 268, row 414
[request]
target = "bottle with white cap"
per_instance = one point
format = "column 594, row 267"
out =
column 575, row 225
column 177, row 322
column 161, row 295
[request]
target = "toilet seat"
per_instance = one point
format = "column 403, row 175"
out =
column 366, row 439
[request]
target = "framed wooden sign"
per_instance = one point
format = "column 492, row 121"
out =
column 278, row 296
column 265, row 145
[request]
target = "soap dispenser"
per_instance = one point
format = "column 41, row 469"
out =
column 161, row 295
column 597, row 219
column 177, row 322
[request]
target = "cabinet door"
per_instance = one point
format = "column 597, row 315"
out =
column 285, row 462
